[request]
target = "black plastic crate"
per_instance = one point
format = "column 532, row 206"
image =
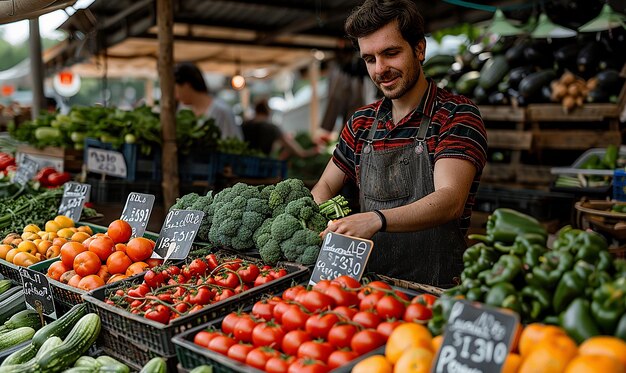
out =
column 118, row 346
column 10, row 271
column 539, row 204
column 138, row 166
column 156, row 337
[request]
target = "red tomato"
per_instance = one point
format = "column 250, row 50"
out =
column 322, row 285
column 279, row 311
column 279, row 364
column 243, row 329
column 87, row 263
column 417, row 312
column 341, row 335
column 294, row 318
column 314, row 301
column 290, row 294
column 308, row 366
column 263, row 279
column 316, row 350
column 341, row 296
column 267, row 334
column 263, row 310
column 319, row 325
column 425, row 299
column 221, row 344
column 239, row 351
column 292, row 341
column 389, row 307
column 366, row 341
column 347, row 282
column 259, row 356
column 229, row 322
column 386, row 327
column 340, row 358
column 346, row 312
column 197, row 267
column 369, row 301
column 367, row 319
column 402, row 295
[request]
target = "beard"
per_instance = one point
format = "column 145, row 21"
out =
column 404, row 83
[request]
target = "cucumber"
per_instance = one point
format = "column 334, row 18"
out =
column 155, row 365
column 81, row 370
column 15, row 337
column 20, row 356
column 87, row 361
column 81, row 337
column 23, row 318
column 109, row 364
column 48, row 345
column 492, row 72
column 8, row 293
column 60, row 327
column 5, row 285
column 12, row 305
column 202, row 369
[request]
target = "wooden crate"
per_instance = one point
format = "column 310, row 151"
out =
column 72, row 160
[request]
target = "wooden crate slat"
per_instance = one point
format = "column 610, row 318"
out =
column 510, row 139
column 502, row 113
column 575, row 139
column 555, row 113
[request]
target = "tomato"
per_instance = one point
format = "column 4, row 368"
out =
column 139, row 249
column 160, row 314
column 374, row 287
column 102, row 246
column 56, row 269
column 239, row 351
column 294, row 318
column 389, row 307
column 263, row 279
column 212, row 261
column 370, row 301
column 153, row 279
column 340, row 358
column 197, row 267
column 152, row 262
column 90, row 282
column 59, row 178
column 118, row 263
column 315, row 350
column 243, row 329
column 366, row 341
column 399, row 294
column 202, row 338
column 293, row 339
column 119, row 231
column 103, row 273
column 341, row 335
column 347, row 282
column 425, row 299
column 86, row 263
column 224, row 294
column 319, row 325
column 279, row 364
column 347, row 312
column 278, row 272
column 417, row 312
column 69, row 250
column 203, row 296
column 321, row 286
column 386, row 327
column 367, row 319
column 229, row 322
column 228, row 280
column 292, row 292
column 341, row 296
column 267, row 334
column 136, row 268
column 314, row 301
column 249, row 273
column 221, row 344
column 263, row 310
column 74, row 280
column 307, row 366
column 279, row 311
column 259, row 357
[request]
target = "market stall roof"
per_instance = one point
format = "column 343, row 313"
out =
column 220, row 35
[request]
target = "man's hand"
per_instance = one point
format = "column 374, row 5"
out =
column 362, row 225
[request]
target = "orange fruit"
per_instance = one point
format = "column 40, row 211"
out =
column 533, row 334
column 120, row 247
column 65, row 233
column 512, row 363
column 120, row 231
column 69, row 250
column 118, row 263
column 437, row 341
column 604, row 345
column 59, row 241
column 376, row 363
column 595, row 364
column 550, row 355
column 27, row 247
column 90, row 282
column 52, row 226
column 414, row 360
column 406, row 336
column 103, row 247
column 139, row 249
column 4, row 249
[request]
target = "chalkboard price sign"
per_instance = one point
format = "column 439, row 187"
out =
column 177, row 233
column 477, row 339
column 107, row 162
column 74, row 197
column 26, row 170
column 341, row 255
column 137, row 212
column 37, row 292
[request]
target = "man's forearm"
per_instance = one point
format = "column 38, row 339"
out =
column 321, row 192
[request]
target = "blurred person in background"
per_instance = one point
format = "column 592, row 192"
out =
column 262, row 134
column 191, row 90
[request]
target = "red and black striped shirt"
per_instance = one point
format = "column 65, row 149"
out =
column 456, row 131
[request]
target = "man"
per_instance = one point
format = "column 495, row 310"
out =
column 416, row 155
column 262, row 134
column 191, row 90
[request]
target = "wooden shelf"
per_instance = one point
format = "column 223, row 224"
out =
column 576, row 139
column 555, row 113
column 502, row 113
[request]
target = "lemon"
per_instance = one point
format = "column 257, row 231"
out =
column 31, row 228
column 63, row 221
column 52, row 226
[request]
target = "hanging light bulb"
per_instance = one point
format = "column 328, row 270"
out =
column 547, row 29
column 238, row 82
column 606, row 20
column 501, row 26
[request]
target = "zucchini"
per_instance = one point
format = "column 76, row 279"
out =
column 15, row 337
column 467, row 82
column 517, row 74
column 5, row 285
column 62, row 326
column 109, row 364
column 492, row 72
column 87, row 361
column 202, row 369
column 81, row 337
column 48, row 345
column 20, row 356
column 81, row 370
column 155, row 365
column 23, row 318
column 12, row 305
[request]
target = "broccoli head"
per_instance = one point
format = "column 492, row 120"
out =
column 270, row 252
column 203, row 203
column 185, row 202
column 303, row 247
column 284, row 192
column 308, row 212
column 284, row 226
column 263, row 233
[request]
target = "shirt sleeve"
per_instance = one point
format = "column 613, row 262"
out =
column 464, row 136
column 225, row 120
column 343, row 156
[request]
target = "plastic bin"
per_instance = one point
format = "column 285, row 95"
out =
column 251, row 167
column 198, row 166
column 619, row 185
column 138, row 166
column 10, row 271
column 156, row 337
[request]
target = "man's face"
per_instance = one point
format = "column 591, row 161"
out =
column 391, row 62
column 182, row 92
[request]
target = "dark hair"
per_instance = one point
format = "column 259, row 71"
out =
column 262, row 107
column 375, row 14
column 187, row 72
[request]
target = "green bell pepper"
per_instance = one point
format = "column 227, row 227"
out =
column 532, row 255
column 569, row 288
column 553, row 265
column 565, row 238
column 534, row 302
column 513, row 303
column 477, row 260
column 608, row 305
column 505, row 270
column 522, row 244
column 577, row 321
column 498, row 293
column 609, row 160
column 504, row 225
column 474, row 294
column 441, row 312
column 605, row 261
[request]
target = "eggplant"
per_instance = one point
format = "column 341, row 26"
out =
column 565, row 57
column 498, row 98
column 588, row 59
column 515, row 55
column 480, row 95
column 539, row 54
column 598, row 95
column 517, row 74
column 531, row 86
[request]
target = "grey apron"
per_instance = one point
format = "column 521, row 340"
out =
column 396, row 177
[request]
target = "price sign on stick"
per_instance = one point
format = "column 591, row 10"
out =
column 477, row 339
column 341, row 255
column 37, row 292
column 26, row 170
column 137, row 212
column 177, row 233
column 107, row 162
column 74, row 197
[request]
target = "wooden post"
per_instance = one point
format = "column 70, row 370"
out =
column 149, row 87
column 165, row 24
column 36, row 67
column 314, row 75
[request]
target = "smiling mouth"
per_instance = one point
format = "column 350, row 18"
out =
column 387, row 83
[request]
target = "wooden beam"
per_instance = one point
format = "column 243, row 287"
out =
column 165, row 23
column 36, row 66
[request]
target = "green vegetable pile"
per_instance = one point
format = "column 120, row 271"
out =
column 593, row 162
column 575, row 284
column 308, row 168
column 235, row 146
column 16, row 213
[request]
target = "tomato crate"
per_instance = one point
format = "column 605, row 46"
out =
column 134, row 355
column 155, row 336
column 190, row 355
column 10, row 271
